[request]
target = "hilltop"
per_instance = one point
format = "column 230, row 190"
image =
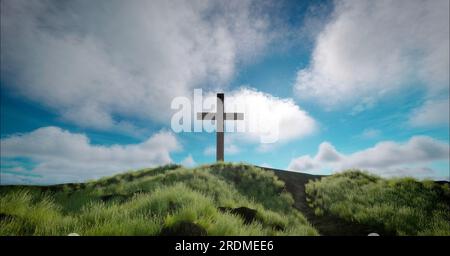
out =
column 226, row 199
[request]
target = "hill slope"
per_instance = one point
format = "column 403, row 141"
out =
column 228, row 199
column 397, row 206
column 221, row 199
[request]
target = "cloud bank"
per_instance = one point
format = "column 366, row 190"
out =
column 372, row 48
column 95, row 64
column 59, row 156
column 386, row 158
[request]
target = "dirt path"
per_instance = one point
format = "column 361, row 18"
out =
column 326, row 225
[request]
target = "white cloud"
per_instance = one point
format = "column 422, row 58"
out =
column 432, row 113
column 386, row 158
column 266, row 116
column 97, row 63
column 371, row 48
column 62, row 156
column 268, row 121
column 188, row 161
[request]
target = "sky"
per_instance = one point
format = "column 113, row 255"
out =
column 88, row 87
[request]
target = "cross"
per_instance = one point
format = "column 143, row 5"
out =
column 220, row 116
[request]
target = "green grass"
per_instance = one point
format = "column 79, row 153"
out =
column 146, row 201
column 397, row 206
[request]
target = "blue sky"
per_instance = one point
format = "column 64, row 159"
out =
column 86, row 87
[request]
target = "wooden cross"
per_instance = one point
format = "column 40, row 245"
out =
column 220, row 116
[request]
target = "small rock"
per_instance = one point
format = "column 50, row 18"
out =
column 373, row 234
column 249, row 215
column 73, row 234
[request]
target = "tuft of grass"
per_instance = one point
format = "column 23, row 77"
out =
column 402, row 206
column 26, row 214
column 261, row 185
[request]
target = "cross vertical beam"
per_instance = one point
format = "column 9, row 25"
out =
column 220, row 148
column 220, row 116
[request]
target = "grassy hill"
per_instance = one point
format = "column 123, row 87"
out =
column 401, row 206
column 221, row 199
column 227, row 199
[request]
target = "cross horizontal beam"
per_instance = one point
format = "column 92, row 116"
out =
column 226, row 116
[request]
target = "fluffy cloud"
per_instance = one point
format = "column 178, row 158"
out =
column 59, row 156
column 97, row 63
column 267, row 119
column 386, row 158
column 188, row 161
column 371, row 48
column 432, row 113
